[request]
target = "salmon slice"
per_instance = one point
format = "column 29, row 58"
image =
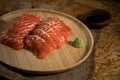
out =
column 38, row 45
column 24, row 25
column 19, row 30
column 57, row 30
column 61, row 27
column 56, row 37
column 46, row 37
column 15, row 43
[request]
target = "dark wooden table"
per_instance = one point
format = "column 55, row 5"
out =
column 93, row 67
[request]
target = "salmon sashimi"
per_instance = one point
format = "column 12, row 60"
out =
column 19, row 30
column 46, row 37
column 16, row 43
column 39, row 45
column 53, row 31
column 56, row 29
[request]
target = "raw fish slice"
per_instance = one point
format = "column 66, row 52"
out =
column 38, row 45
column 19, row 30
column 16, row 43
column 50, row 34
column 46, row 37
column 57, row 30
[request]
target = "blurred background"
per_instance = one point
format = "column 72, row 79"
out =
column 72, row 7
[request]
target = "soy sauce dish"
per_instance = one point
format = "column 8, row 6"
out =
column 96, row 19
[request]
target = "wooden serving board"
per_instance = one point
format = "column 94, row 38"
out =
column 60, row 59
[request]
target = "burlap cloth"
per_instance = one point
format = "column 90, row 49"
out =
column 104, row 61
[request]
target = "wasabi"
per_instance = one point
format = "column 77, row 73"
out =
column 78, row 43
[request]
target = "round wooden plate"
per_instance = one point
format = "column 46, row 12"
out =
column 60, row 59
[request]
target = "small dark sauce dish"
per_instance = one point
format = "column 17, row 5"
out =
column 96, row 19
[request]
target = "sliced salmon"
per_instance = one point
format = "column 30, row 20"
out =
column 53, row 31
column 46, row 37
column 57, row 30
column 38, row 45
column 19, row 30
column 15, row 43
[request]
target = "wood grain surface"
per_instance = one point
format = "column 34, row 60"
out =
column 60, row 59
